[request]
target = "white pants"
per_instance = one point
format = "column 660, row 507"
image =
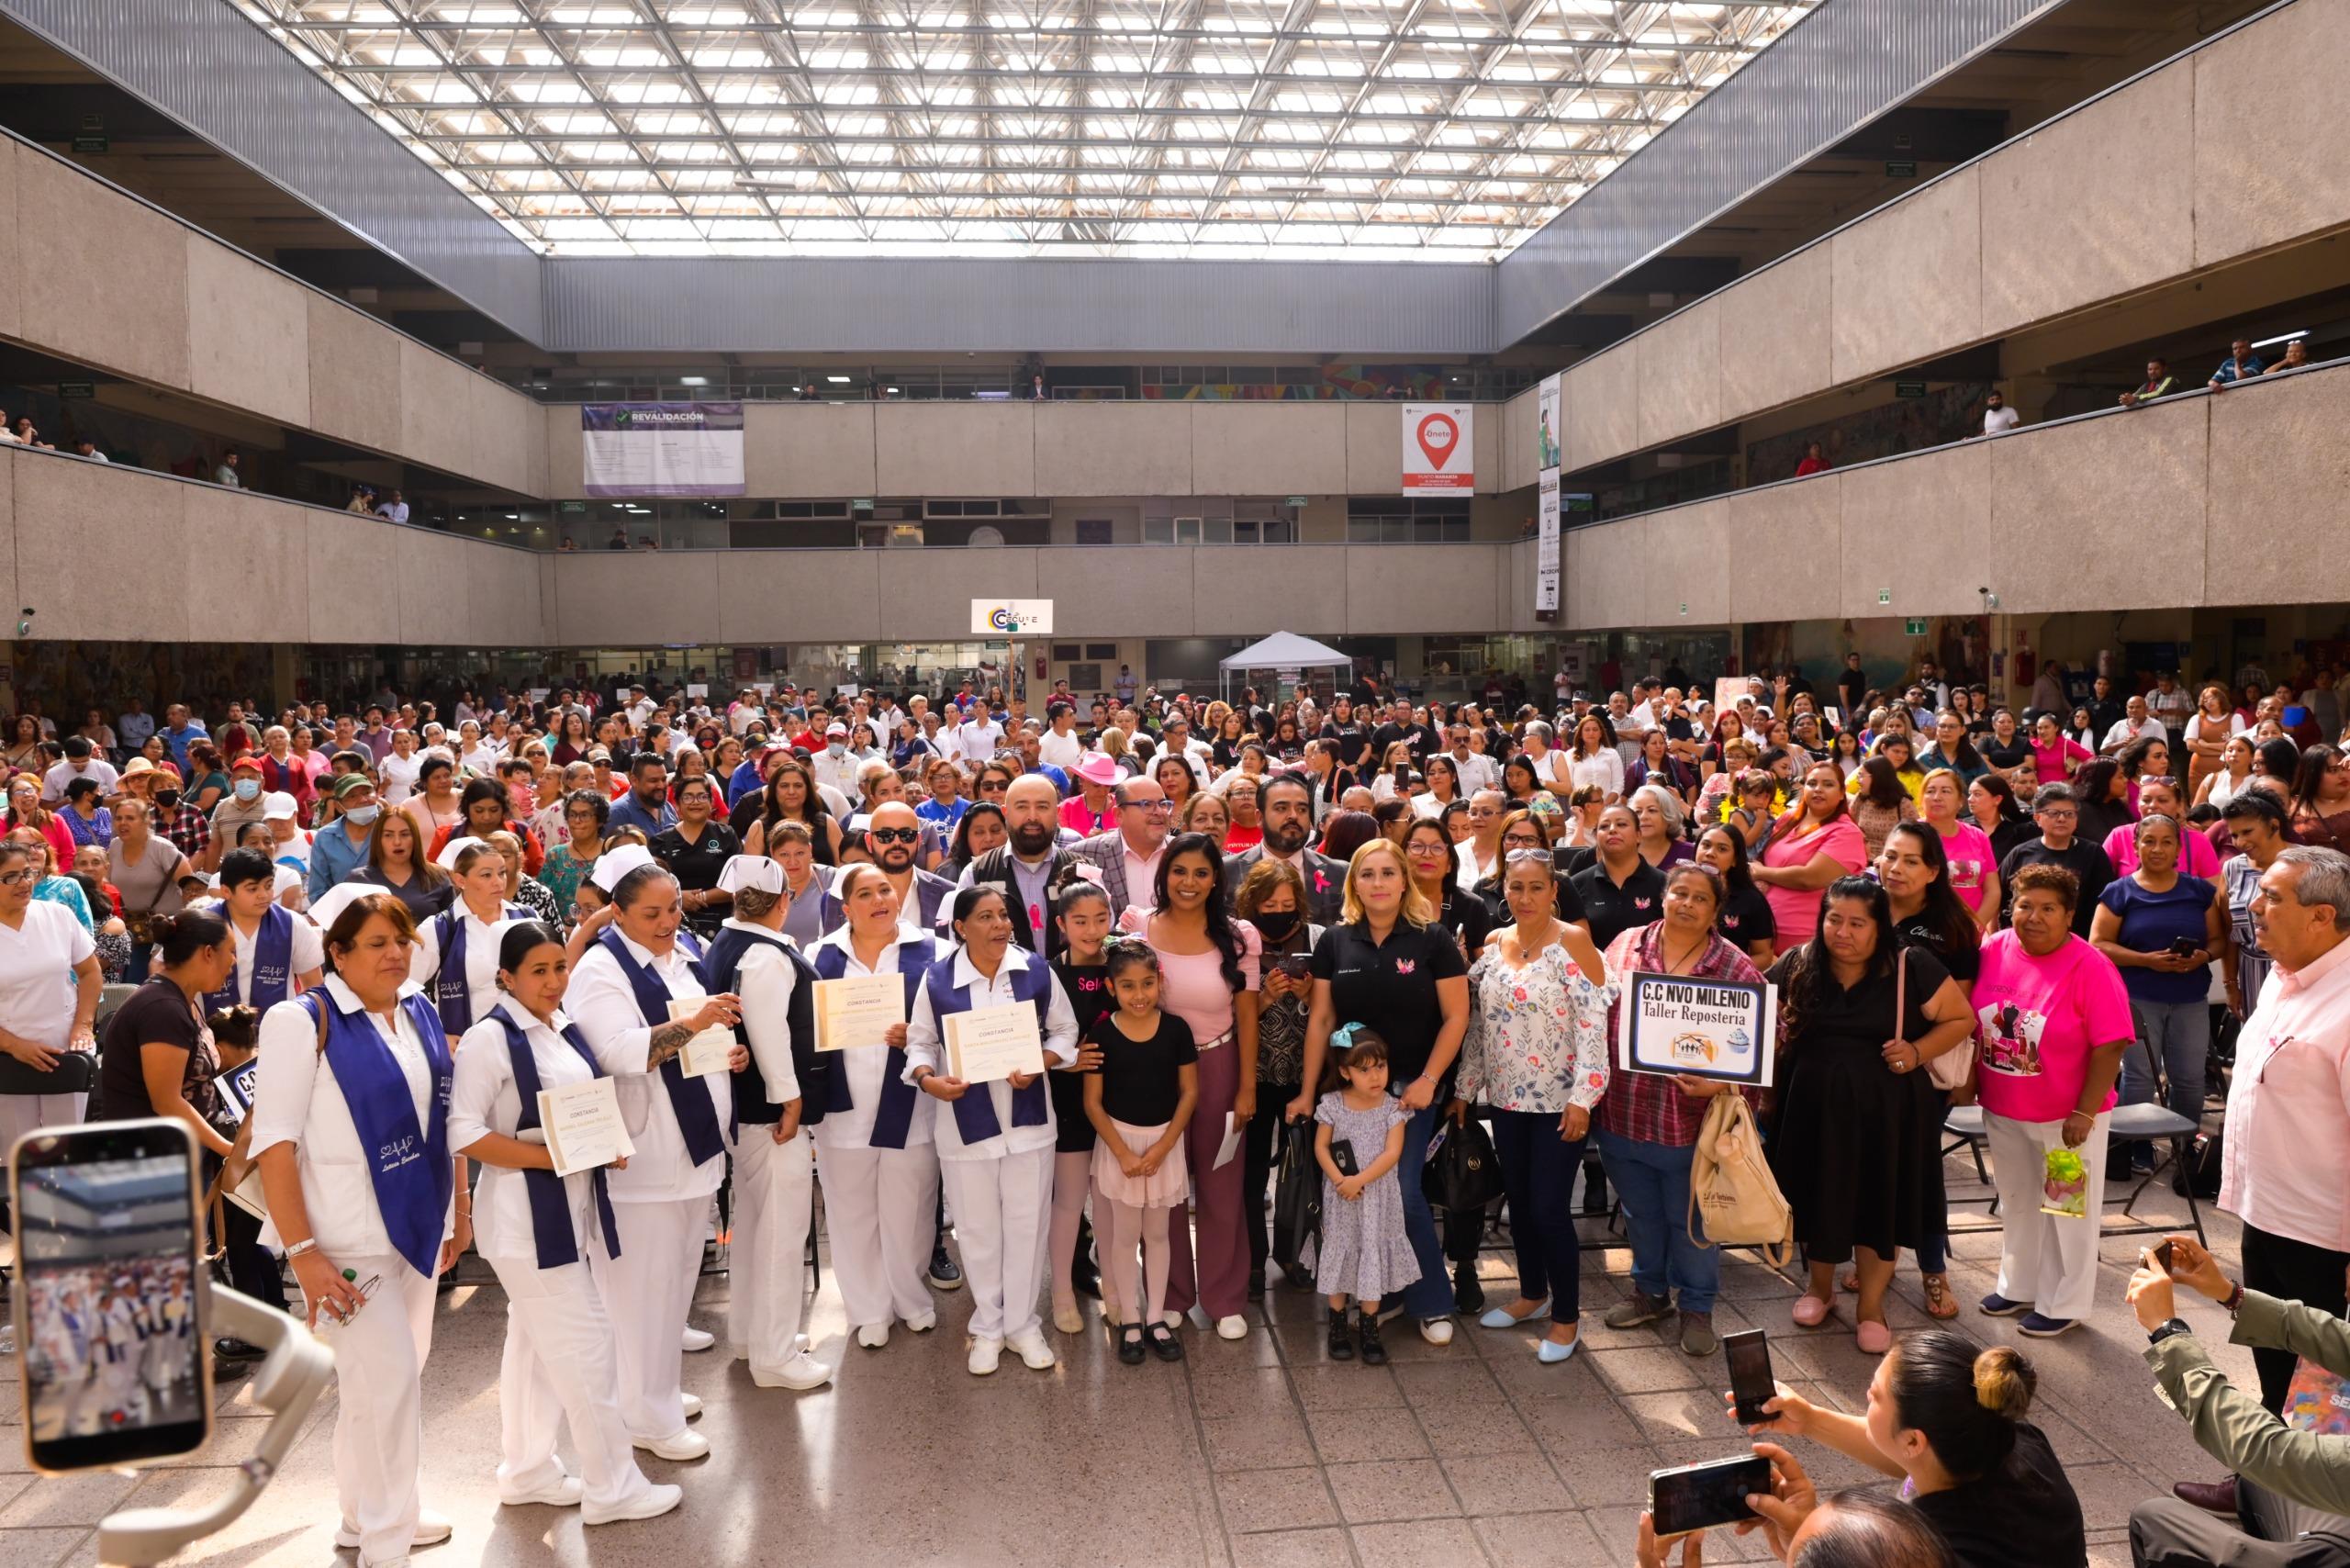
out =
column 775, row 1186
column 2045, row 1259
column 379, row 1411
column 1003, row 1211
column 22, row 1114
column 559, row 1365
column 648, row 1292
column 880, row 1213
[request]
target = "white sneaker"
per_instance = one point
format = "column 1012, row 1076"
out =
column 677, row 1444
column 655, row 1502
column 1036, row 1355
column 1436, row 1331
column 697, row 1338
column 802, row 1372
column 923, row 1324
column 873, row 1336
column 985, row 1353
column 564, row 1494
column 431, row 1529
column 693, row 1405
column 1234, row 1326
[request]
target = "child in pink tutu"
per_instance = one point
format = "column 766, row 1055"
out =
column 1140, row 1101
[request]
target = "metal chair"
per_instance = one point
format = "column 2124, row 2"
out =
column 1964, row 1123
column 2155, row 1119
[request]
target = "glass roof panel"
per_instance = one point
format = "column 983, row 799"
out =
column 1326, row 129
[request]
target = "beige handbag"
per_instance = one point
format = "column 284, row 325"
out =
column 1952, row 1072
column 1731, row 1186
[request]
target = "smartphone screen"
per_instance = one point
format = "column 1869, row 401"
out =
column 1698, row 1496
column 1749, row 1353
column 114, row 1369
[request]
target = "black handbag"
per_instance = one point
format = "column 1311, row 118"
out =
column 1464, row 1176
column 1297, row 1201
column 76, row 1072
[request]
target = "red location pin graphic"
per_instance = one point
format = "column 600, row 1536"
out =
column 1437, row 436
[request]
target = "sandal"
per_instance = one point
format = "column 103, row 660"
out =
column 1810, row 1312
column 1130, row 1345
column 1940, row 1303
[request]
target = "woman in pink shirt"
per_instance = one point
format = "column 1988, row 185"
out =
column 2053, row 1019
column 2159, row 797
column 1208, row 967
column 1974, row 864
column 2057, row 756
column 1809, row 847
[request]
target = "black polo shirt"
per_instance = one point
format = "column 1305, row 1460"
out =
column 1747, row 919
column 1613, row 910
column 2086, row 860
column 1391, row 986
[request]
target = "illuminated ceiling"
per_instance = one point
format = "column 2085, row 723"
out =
column 1442, row 129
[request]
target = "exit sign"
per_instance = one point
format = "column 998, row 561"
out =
column 1909, row 388
column 1901, row 168
column 1914, row 627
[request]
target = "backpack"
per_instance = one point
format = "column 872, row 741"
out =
column 1731, row 1186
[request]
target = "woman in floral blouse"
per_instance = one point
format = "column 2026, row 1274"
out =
column 1537, row 1053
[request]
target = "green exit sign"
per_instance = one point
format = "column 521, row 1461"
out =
column 1914, row 627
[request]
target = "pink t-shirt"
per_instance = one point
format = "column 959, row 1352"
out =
column 2201, row 858
column 2056, row 762
column 2038, row 1019
column 1797, row 909
column 1190, row 985
column 1971, row 860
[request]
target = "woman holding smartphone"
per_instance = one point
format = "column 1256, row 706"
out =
column 354, row 1081
column 535, row 1231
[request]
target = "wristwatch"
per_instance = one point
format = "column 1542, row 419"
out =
column 2176, row 1325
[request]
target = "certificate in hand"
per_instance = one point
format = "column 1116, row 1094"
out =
column 583, row 1128
column 987, row 1044
column 707, row 1052
column 858, row 1010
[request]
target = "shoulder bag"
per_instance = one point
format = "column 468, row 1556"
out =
column 1952, row 1072
column 1731, row 1187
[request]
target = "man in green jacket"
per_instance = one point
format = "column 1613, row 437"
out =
column 2293, row 1488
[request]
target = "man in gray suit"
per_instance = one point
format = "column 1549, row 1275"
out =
column 1127, row 857
column 1286, row 801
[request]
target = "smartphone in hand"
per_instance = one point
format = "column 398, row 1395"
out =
column 1698, row 1496
column 1750, row 1383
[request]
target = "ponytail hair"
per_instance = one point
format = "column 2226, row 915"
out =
column 1965, row 1400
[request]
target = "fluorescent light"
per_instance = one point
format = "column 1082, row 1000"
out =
column 693, row 381
column 2287, row 338
column 837, row 380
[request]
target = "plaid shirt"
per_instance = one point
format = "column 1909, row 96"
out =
column 189, row 832
column 1645, row 1106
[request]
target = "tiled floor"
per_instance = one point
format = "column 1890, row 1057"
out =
column 1253, row 1454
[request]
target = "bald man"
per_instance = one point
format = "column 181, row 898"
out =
column 1029, row 862
column 894, row 835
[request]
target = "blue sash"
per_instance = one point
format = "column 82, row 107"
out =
column 451, row 993
column 408, row 1166
column 894, row 1117
column 272, row 975
column 690, row 1099
column 549, row 1216
column 975, row 1111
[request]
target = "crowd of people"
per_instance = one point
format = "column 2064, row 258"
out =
column 1367, row 916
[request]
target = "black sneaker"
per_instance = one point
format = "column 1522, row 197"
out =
column 1374, row 1353
column 1341, row 1344
column 944, row 1274
column 1468, row 1291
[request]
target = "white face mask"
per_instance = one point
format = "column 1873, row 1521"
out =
column 836, row 747
column 248, row 789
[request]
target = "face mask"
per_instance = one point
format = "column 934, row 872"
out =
column 1275, row 927
column 363, row 815
column 248, row 789
column 837, row 748
column 167, row 798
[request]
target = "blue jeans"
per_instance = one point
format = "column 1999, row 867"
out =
column 1430, row 1295
column 1652, row 1180
column 1539, row 1173
column 2181, row 1033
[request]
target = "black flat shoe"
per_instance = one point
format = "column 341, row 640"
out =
column 1341, row 1344
column 1130, row 1345
column 1163, row 1343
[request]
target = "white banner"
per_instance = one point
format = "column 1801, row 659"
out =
column 1012, row 617
column 661, row 449
column 1439, row 448
column 1548, row 455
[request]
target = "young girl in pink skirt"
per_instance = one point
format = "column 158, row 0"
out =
column 1140, row 1101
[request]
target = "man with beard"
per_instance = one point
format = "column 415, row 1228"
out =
column 1127, row 856
column 894, row 835
column 1285, row 803
column 1028, row 865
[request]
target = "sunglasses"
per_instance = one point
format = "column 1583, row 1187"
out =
column 893, row 835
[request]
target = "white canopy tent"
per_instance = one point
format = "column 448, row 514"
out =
column 1282, row 650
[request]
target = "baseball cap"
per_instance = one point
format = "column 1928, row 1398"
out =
column 278, row 806
column 243, row 762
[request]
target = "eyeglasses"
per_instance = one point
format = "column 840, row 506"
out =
column 893, row 835
column 17, row 878
column 1529, row 853
column 1155, row 807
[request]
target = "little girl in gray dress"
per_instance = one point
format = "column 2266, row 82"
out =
column 1364, row 1252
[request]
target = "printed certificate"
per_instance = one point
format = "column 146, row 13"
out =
column 707, row 1052
column 858, row 1010
column 582, row 1123
column 989, row 1044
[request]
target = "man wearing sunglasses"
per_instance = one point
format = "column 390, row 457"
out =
column 1127, row 856
column 895, row 836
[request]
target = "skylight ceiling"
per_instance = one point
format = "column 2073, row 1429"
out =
column 1446, row 129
